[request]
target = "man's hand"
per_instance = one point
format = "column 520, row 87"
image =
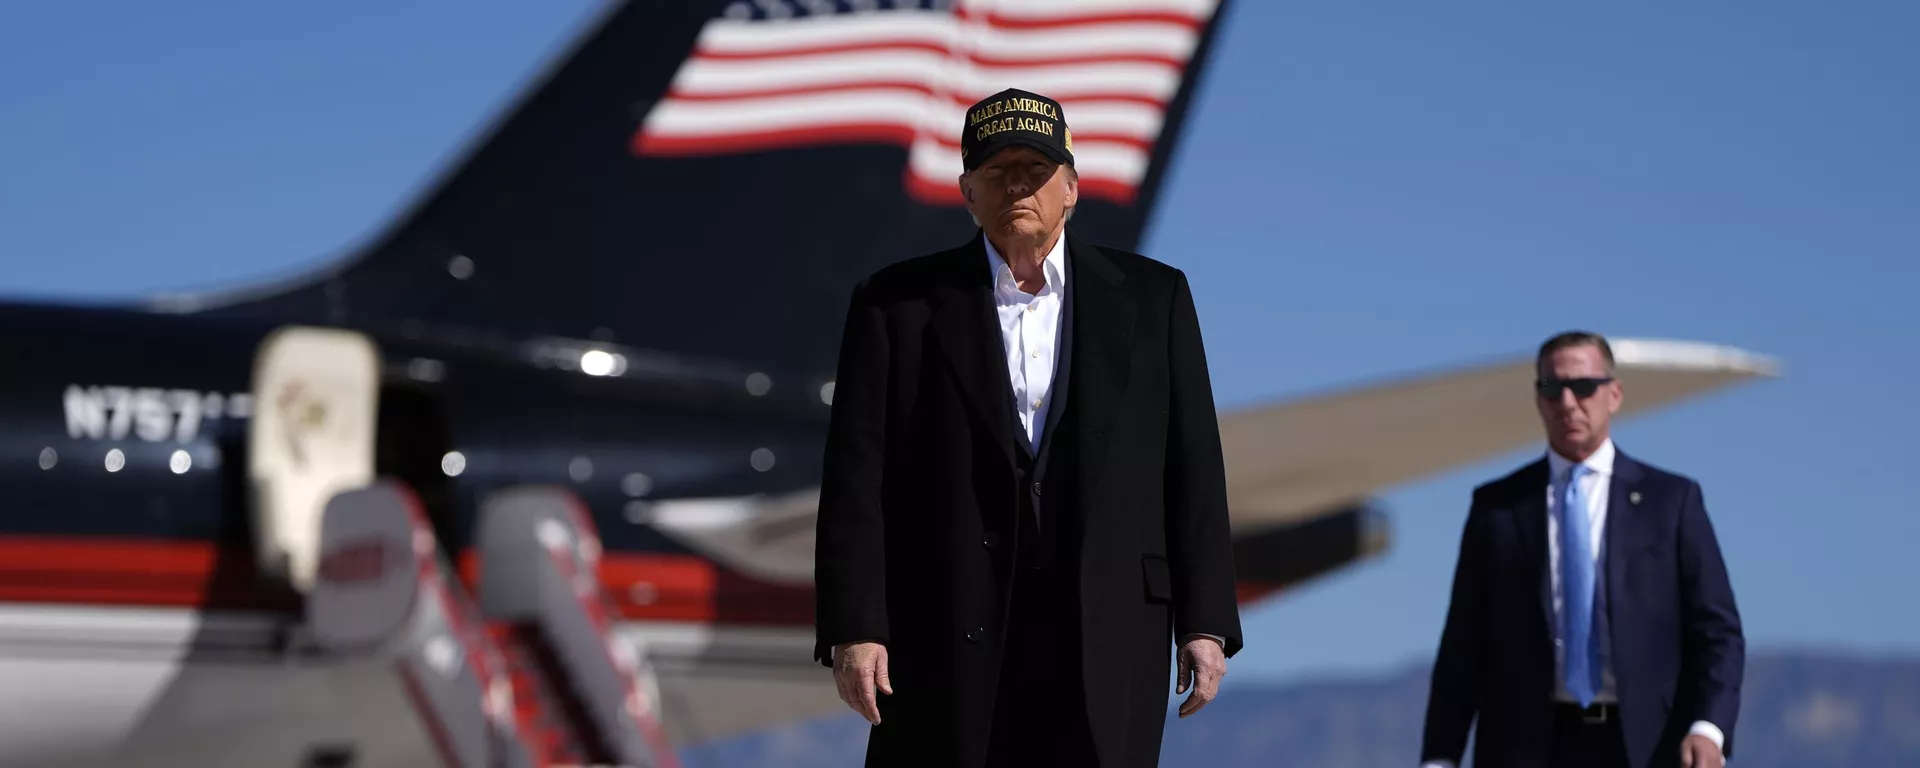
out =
column 1699, row 752
column 857, row 669
column 1202, row 664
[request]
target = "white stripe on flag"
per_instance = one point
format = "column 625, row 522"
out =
column 760, row 36
column 1140, row 38
column 936, row 115
column 709, row 77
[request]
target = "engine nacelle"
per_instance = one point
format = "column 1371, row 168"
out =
column 1288, row 555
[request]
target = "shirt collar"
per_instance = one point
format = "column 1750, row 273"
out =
column 1600, row 463
column 1054, row 266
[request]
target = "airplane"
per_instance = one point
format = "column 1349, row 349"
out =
column 528, row 477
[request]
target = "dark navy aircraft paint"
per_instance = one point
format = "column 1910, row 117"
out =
column 723, row 279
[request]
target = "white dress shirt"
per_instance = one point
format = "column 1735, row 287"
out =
column 1596, row 487
column 1030, row 333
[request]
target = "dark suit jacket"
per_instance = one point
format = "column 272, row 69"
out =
column 923, row 481
column 1678, row 651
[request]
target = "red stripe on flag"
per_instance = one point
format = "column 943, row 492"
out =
column 1069, row 100
column 754, row 141
column 1003, row 21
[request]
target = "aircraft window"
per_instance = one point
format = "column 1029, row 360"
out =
column 425, row 369
column 639, row 512
column 636, row 484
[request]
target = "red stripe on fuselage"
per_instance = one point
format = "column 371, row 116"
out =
column 201, row 575
column 136, row 572
column 662, row 587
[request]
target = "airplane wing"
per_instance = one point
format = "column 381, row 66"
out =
column 1298, row 472
column 1290, row 462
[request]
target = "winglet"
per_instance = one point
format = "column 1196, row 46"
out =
column 1673, row 354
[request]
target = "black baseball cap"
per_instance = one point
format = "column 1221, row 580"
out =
column 1011, row 117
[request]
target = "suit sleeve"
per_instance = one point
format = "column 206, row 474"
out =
column 1200, row 543
column 1715, row 648
column 1454, row 692
column 849, row 555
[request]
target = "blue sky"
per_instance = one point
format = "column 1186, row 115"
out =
column 1366, row 189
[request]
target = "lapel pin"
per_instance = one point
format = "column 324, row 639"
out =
column 1633, row 498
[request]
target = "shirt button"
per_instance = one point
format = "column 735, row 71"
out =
column 1029, row 307
column 1036, row 355
column 991, row 540
column 973, row 636
column 1036, row 488
column 1036, row 403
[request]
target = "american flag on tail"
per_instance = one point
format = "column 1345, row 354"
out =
column 770, row 74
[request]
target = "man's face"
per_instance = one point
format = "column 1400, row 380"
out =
column 1019, row 193
column 1576, row 425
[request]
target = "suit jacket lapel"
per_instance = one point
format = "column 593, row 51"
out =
column 1530, row 518
column 969, row 335
column 1622, row 496
column 1104, row 313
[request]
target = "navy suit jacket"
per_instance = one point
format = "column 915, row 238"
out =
column 1678, row 652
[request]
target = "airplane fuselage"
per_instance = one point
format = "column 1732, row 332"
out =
column 131, row 591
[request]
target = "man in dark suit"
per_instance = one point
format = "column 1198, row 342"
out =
column 1592, row 622
column 1024, row 500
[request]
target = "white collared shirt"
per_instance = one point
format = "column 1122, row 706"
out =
column 1030, row 333
column 1595, row 486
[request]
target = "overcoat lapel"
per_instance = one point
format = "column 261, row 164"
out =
column 969, row 337
column 1104, row 313
column 1062, row 384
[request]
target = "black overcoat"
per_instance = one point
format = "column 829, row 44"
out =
column 922, row 483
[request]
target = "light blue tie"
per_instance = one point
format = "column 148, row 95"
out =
column 1576, row 584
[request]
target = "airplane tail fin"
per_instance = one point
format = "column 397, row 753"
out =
column 709, row 179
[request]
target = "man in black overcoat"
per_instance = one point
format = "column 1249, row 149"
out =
column 1024, row 502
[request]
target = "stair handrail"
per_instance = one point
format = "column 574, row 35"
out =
column 539, row 562
column 383, row 588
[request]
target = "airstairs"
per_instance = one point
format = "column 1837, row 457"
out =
column 523, row 672
column 540, row 592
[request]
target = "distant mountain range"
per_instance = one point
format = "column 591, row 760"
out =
column 1801, row 709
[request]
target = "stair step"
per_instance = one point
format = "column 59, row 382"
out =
column 541, row 696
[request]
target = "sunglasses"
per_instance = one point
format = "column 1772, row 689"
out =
column 1582, row 388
